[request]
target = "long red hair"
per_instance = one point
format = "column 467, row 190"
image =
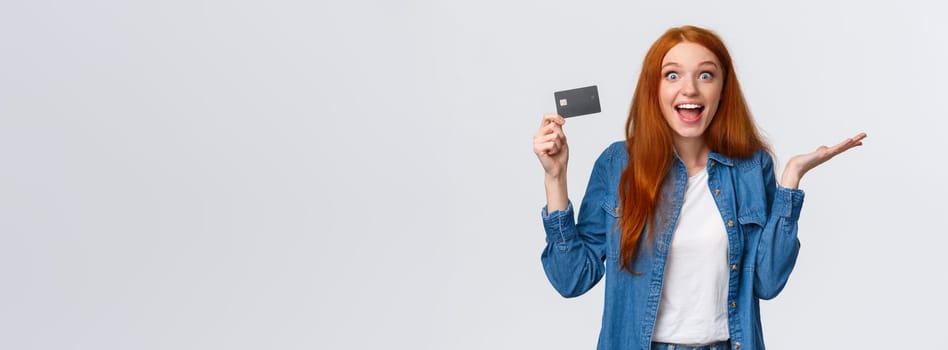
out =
column 732, row 133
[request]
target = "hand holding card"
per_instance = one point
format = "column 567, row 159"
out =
column 549, row 144
column 577, row 102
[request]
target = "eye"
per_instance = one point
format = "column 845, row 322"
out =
column 671, row 76
column 705, row 76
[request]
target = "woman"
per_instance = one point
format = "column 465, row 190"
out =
column 685, row 217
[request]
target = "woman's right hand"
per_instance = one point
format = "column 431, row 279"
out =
column 549, row 144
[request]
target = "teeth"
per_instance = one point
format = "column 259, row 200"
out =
column 689, row 106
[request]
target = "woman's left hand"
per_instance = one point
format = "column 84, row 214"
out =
column 802, row 163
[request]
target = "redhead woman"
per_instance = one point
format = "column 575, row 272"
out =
column 685, row 218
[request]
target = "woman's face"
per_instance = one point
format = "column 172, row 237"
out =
column 690, row 90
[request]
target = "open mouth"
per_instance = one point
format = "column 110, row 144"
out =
column 689, row 112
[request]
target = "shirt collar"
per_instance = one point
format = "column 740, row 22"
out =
column 720, row 158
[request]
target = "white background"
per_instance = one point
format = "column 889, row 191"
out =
column 354, row 175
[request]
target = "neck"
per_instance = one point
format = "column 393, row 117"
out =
column 694, row 153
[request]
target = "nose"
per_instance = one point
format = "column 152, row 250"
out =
column 689, row 87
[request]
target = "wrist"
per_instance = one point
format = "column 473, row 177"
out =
column 556, row 193
column 551, row 179
column 790, row 179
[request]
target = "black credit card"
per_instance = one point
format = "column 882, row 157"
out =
column 576, row 102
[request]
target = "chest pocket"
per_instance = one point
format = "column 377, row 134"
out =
column 752, row 217
column 610, row 205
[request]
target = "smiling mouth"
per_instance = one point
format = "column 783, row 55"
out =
column 689, row 112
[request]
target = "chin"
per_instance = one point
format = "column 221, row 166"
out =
column 689, row 133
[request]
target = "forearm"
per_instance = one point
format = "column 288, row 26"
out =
column 556, row 195
column 791, row 177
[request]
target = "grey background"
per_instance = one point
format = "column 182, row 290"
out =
column 355, row 175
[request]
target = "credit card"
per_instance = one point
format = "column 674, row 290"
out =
column 576, row 102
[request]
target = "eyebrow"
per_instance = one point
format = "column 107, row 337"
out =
column 699, row 64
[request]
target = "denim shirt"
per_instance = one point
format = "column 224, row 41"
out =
column 761, row 223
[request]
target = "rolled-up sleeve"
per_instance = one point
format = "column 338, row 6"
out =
column 575, row 251
column 779, row 245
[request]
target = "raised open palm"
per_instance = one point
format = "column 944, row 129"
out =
column 802, row 163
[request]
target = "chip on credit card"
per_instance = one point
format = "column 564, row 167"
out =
column 577, row 102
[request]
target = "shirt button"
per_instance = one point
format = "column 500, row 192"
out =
column 712, row 163
column 737, row 345
column 734, row 267
column 617, row 211
column 717, row 191
column 730, row 223
column 733, row 305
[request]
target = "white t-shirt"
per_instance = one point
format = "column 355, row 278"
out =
column 693, row 307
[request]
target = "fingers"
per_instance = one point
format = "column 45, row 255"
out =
column 857, row 140
column 847, row 144
column 550, row 133
column 550, row 123
column 550, row 143
column 552, row 118
column 550, row 139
